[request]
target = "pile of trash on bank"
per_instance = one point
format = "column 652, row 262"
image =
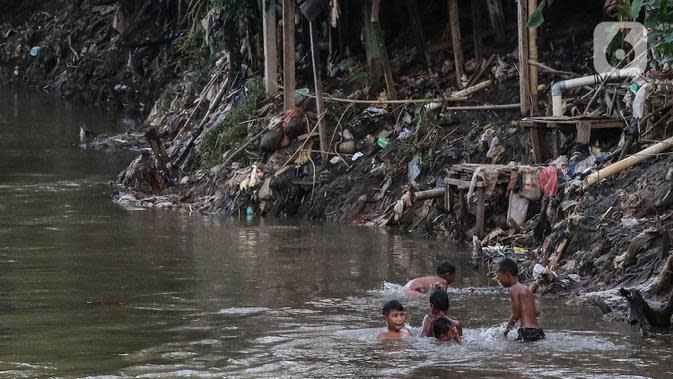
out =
column 552, row 192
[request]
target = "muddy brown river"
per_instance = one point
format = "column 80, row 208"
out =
column 91, row 289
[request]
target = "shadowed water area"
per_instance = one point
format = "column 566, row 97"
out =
column 88, row 288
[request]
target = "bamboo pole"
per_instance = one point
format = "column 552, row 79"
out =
column 288, row 55
column 270, row 47
column 454, row 24
column 318, row 94
column 628, row 162
column 524, row 83
column 532, row 55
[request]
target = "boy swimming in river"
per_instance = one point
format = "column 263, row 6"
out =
column 445, row 330
column 439, row 309
column 446, row 273
column 394, row 315
column 524, row 308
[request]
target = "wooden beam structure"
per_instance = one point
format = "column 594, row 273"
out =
column 270, row 47
column 532, row 55
column 456, row 42
column 289, row 10
column 524, row 73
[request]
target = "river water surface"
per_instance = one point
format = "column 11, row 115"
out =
column 88, row 288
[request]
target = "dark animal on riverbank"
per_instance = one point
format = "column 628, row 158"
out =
column 643, row 314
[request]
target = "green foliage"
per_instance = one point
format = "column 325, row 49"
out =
column 659, row 22
column 240, row 10
column 166, row 97
column 231, row 131
column 198, row 76
column 636, row 5
column 536, row 19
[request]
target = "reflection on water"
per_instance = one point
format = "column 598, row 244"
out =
column 90, row 288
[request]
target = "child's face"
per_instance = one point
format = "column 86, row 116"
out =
column 504, row 278
column 450, row 335
column 395, row 320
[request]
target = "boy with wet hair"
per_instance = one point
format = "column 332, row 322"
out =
column 524, row 308
column 439, row 309
column 446, row 274
column 445, row 330
column 394, row 315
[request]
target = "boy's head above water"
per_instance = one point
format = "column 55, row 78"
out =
column 446, row 271
column 439, row 301
column 393, row 313
column 507, row 272
column 444, row 329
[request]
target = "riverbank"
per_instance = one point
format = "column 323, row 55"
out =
column 215, row 142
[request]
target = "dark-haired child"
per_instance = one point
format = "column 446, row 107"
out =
column 524, row 308
column 439, row 309
column 445, row 330
column 394, row 315
column 446, row 274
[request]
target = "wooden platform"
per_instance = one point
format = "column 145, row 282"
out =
column 539, row 127
column 458, row 183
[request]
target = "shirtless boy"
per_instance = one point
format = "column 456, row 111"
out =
column 524, row 308
column 446, row 273
column 445, row 330
column 439, row 309
column 394, row 315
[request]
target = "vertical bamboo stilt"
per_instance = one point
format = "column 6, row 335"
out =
column 532, row 54
column 476, row 29
column 497, row 18
column 318, row 95
column 456, row 42
column 270, row 47
column 417, row 29
column 377, row 55
column 524, row 73
column 481, row 213
column 289, row 9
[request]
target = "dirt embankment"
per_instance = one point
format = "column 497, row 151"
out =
column 219, row 144
column 111, row 53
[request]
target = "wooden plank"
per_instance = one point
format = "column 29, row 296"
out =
column 449, row 201
column 481, row 211
column 456, row 42
column 463, row 203
column 555, row 143
column 289, row 9
column 463, row 184
column 524, row 82
column 475, row 6
column 270, row 47
column 538, row 155
column 596, row 123
column 583, row 132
